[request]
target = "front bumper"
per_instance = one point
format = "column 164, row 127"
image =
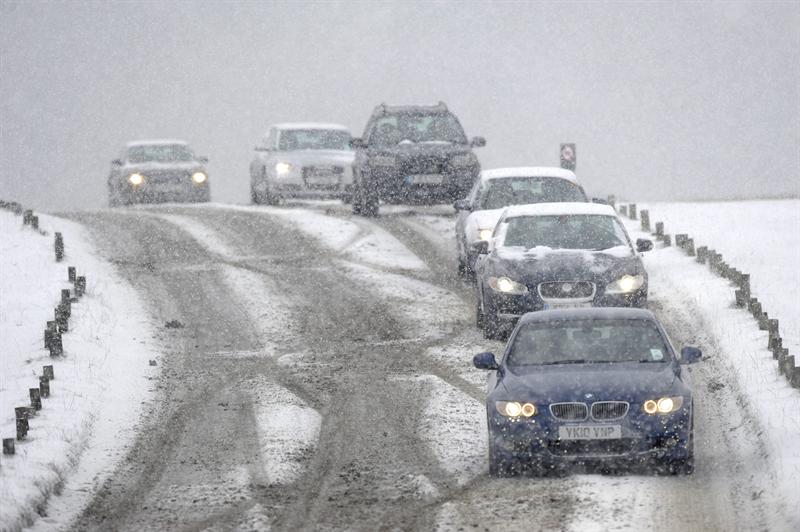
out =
column 644, row 438
column 162, row 193
column 509, row 307
column 397, row 184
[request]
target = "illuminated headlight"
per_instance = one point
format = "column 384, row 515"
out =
column 467, row 159
column 136, row 179
column 507, row 286
column 515, row 409
column 485, row 234
column 383, row 160
column 665, row 405
column 625, row 284
column 283, row 168
column 199, row 177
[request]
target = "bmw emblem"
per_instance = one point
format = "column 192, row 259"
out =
column 588, row 396
column 566, row 287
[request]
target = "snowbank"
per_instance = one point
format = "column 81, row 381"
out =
column 99, row 384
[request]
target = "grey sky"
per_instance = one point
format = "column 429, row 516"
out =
column 670, row 100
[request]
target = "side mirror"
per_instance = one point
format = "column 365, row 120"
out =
column 462, row 205
column 690, row 355
column 478, row 142
column 356, row 143
column 601, row 201
column 116, row 162
column 202, row 159
column 485, row 361
column 643, row 244
column 480, row 247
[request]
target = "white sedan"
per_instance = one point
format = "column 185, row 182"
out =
column 499, row 188
column 302, row 160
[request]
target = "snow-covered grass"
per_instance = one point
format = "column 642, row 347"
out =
column 99, row 385
column 680, row 281
column 761, row 238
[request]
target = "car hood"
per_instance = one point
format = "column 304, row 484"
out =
column 538, row 264
column 411, row 150
column 316, row 157
column 632, row 382
column 177, row 165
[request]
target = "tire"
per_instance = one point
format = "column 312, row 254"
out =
column 254, row 197
column 365, row 201
column 499, row 465
column 490, row 325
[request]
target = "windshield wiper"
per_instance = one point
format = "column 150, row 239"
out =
column 570, row 361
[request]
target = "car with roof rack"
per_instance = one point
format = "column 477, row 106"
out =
column 412, row 154
column 154, row 171
column 302, row 160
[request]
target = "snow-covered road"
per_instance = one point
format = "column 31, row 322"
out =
column 322, row 379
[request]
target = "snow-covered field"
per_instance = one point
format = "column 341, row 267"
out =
column 100, row 383
column 761, row 238
column 748, row 233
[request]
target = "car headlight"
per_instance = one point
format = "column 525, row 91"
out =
column 467, row 159
column 515, row 409
column 283, row 168
column 383, row 160
column 199, row 177
column 485, row 234
column 136, row 179
column 625, row 284
column 664, row 405
column 507, row 286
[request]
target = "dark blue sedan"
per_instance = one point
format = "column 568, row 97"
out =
column 594, row 385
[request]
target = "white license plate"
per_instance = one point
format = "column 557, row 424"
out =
column 589, row 432
column 556, row 306
column 425, row 179
column 322, row 180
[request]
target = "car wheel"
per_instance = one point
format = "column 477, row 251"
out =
column 490, row 323
column 254, row 196
column 370, row 203
column 499, row 464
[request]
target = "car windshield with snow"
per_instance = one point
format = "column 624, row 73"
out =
column 556, row 255
column 500, row 188
column 589, row 385
column 158, row 171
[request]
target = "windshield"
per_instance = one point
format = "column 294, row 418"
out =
column 314, row 139
column 160, row 153
column 573, row 231
column 587, row 341
column 499, row 193
column 437, row 127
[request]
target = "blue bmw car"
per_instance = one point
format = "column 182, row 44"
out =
column 595, row 385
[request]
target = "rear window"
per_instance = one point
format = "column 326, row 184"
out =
column 587, row 341
column 502, row 192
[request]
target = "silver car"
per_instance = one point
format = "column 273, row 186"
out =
column 154, row 171
column 302, row 161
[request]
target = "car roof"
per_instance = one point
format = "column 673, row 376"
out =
column 310, row 125
column 384, row 109
column 557, row 209
column 592, row 313
column 529, row 171
column 156, row 142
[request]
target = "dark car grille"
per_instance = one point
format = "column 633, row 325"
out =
column 591, row 447
column 569, row 411
column 159, row 177
column 607, row 410
column 422, row 165
column 566, row 290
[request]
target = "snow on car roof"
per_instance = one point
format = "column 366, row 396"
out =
column 566, row 208
column 530, row 171
column 156, row 142
column 310, row 125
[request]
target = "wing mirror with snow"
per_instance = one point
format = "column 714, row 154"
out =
column 643, row 244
